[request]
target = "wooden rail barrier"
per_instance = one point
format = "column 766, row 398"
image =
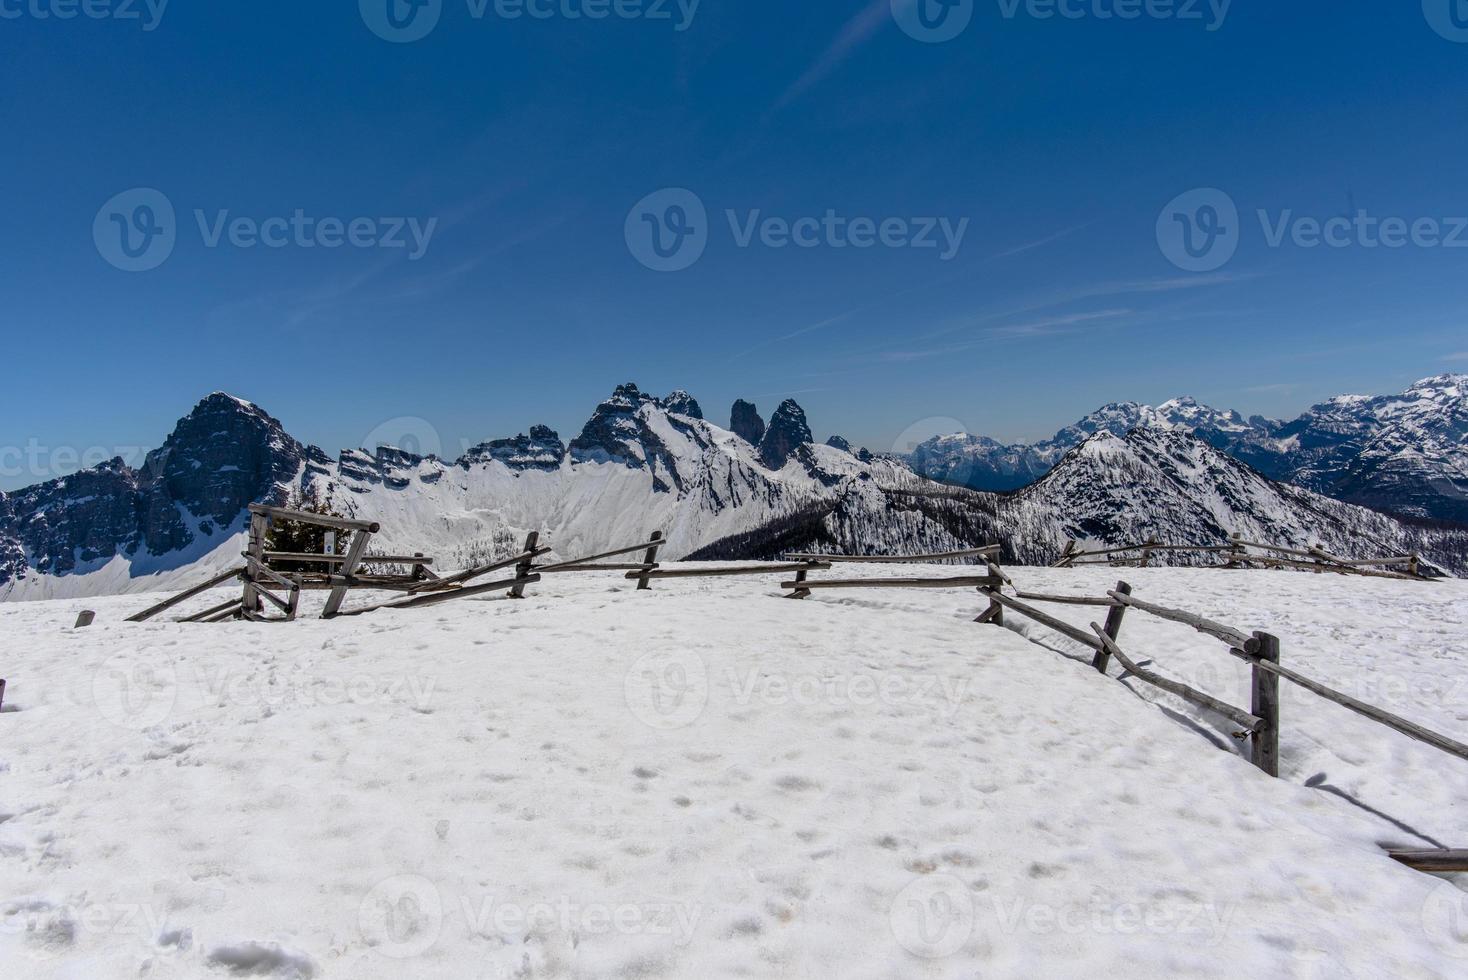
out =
column 1236, row 554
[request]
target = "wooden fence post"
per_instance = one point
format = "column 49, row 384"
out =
column 1147, row 554
column 258, row 525
column 2, row 694
column 1266, row 705
column 1102, row 660
column 532, row 541
column 650, row 562
column 84, row 619
column 799, row 593
column 994, row 615
column 1412, row 561
column 1236, row 540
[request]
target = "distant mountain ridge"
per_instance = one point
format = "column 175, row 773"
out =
column 644, row 463
column 1405, row 453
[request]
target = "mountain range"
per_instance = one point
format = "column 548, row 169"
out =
column 1406, row 454
column 756, row 489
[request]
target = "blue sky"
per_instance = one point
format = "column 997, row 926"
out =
column 527, row 143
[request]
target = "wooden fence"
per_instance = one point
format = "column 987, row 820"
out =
column 1237, row 554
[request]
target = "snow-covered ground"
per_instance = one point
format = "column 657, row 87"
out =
column 710, row 780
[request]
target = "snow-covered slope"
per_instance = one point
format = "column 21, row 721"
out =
column 1170, row 485
column 1405, row 453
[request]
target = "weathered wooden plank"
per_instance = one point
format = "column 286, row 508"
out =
column 990, row 549
column 322, row 520
column 469, row 575
column 167, row 604
column 1066, row 600
column 232, row 610
column 605, row 554
column 84, row 619
column 1433, row 861
column 1044, row 618
column 434, row 598
column 1410, row 729
column 1238, row 716
column 609, row 567
column 208, row 614
column 957, row 582
column 306, row 558
column 1225, row 633
column 751, row 570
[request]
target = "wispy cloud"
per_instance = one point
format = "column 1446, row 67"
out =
column 1461, row 355
column 1046, row 327
column 1041, row 243
column 856, row 32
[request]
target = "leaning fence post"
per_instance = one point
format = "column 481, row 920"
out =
column 2, row 694
column 84, row 619
column 523, row 569
column 799, row 593
column 1102, row 660
column 649, row 562
column 1266, row 705
column 1412, row 562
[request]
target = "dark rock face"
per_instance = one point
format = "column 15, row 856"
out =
column 223, row 455
column 682, row 403
column 836, row 442
column 788, row 431
column 745, row 422
column 620, row 432
column 612, row 431
column 541, row 450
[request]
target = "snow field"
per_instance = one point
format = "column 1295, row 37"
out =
column 710, row 780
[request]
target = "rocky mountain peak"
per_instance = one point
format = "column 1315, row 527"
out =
column 541, row 450
column 788, row 431
column 745, row 422
column 682, row 403
column 836, row 442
